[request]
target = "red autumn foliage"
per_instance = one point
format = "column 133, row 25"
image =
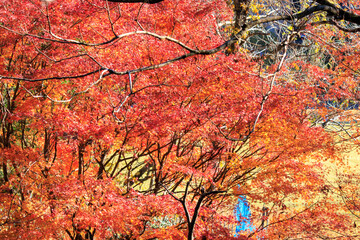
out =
column 124, row 120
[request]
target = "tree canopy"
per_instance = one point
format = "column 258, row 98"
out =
column 130, row 119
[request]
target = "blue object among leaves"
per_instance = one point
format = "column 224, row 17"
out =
column 243, row 215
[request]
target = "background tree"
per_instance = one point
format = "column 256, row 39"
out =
column 130, row 120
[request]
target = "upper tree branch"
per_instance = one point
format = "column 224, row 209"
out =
column 326, row 7
column 241, row 10
column 339, row 13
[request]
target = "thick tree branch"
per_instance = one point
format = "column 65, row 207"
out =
column 340, row 13
column 336, row 24
column 336, row 12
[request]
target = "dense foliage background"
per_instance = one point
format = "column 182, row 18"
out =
column 147, row 120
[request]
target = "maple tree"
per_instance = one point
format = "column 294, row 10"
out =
column 130, row 119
